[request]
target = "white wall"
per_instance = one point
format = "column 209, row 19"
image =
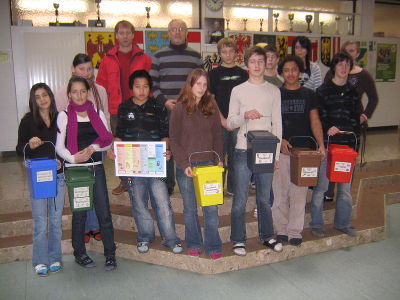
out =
column 8, row 110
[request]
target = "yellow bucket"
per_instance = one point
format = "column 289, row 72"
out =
column 208, row 184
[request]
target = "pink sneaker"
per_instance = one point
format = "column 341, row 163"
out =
column 194, row 253
column 216, row 255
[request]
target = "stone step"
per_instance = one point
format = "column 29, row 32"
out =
column 370, row 225
column 19, row 224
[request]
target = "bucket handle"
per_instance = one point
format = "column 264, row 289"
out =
column 247, row 121
column 304, row 136
column 55, row 155
column 344, row 132
column 77, row 165
column 207, row 151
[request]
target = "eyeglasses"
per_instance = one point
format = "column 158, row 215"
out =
column 177, row 29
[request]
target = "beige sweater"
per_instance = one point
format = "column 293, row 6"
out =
column 266, row 99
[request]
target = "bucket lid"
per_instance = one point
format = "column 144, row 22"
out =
column 41, row 162
column 261, row 135
column 207, row 170
column 78, row 174
column 306, row 152
column 342, row 150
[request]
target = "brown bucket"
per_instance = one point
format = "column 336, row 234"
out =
column 304, row 166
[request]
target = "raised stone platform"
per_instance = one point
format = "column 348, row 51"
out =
column 375, row 186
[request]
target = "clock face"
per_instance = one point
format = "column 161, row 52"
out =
column 214, row 4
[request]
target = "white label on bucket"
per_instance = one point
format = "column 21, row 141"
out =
column 342, row 166
column 309, row 172
column 212, row 188
column 264, row 158
column 43, row 176
column 81, row 202
column 80, row 192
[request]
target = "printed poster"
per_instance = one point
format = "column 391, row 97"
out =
column 140, row 159
column 329, row 47
column 362, row 59
column 97, row 45
column 386, row 62
column 243, row 41
column 155, row 40
column 211, row 60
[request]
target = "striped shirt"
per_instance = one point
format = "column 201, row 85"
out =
column 313, row 81
column 170, row 68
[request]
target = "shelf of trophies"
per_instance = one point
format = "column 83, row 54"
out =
column 273, row 20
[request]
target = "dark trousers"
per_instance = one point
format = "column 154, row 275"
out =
column 171, row 173
column 102, row 208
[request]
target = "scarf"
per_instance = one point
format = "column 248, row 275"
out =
column 104, row 139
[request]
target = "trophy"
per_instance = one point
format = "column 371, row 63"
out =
column 244, row 24
column 56, row 6
column 276, row 16
column 261, row 24
column 227, row 24
column 349, row 25
column 337, row 20
column 291, row 18
column 321, row 26
column 148, row 8
column 98, row 22
column 308, row 20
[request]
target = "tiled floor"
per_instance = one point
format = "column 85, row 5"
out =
column 368, row 271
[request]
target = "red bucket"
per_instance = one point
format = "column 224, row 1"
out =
column 341, row 160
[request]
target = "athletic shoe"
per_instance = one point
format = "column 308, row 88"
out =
column 349, row 230
column 111, row 263
column 193, row 252
column 143, row 247
column 239, row 249
column 281, row 238
column 41, row 270
column 274, row 245
column 85, row 261
column 318, row 232
column 97, row 235
column 216, row 255
column 86, row 237
column 295, row 241
column 55, row 267
column 177, row 248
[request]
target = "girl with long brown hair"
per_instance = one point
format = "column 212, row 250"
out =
column 195, row 127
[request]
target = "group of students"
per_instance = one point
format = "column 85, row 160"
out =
column 214, row 111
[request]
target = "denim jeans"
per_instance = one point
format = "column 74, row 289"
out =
column 102, row 208
column 140, row 189
column 344, row 202
column 240, row 194
column 230, row 138
column 193, row 236
column 91, row 223
column 46, row 248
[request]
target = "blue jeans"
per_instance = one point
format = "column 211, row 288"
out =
column 344, row 203
column 193, row 236
column 140, row 189
column 91, row 223
column 241, row 191
column 102, row 208
column 46, row 248
column 230, row 138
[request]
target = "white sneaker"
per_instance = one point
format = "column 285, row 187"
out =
column 239, row 249
column 177, row 248
column 255, row 213
column 143, row 247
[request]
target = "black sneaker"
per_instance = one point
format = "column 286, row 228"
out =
column 274, row 245
column 85, row 261
column 282, row 238
column 111, row 263
column 295, row 241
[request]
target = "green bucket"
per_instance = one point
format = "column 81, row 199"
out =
column 80, row 181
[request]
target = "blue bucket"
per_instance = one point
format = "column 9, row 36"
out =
column 42, row 177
